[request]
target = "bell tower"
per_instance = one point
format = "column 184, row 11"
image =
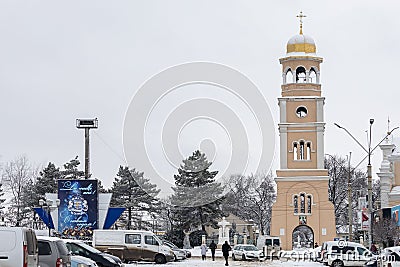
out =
column 302, row 214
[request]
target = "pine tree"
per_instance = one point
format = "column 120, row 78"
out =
column 71, row 170
column 133, row 191
column 46, row 182
column 197, row 197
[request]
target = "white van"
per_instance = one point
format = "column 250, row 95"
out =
column 270, row 245
column 18, row 247
column 343, row 253
column 132, row 245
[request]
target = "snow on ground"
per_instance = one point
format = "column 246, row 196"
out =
column 197, row 262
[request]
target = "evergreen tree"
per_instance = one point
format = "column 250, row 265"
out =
column 71, row 170
column 197, row 197
column 46, row 182
column 133, row 191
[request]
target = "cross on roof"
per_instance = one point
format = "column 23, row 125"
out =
column 301, row 16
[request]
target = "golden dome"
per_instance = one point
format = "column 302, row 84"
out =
column 301, row 44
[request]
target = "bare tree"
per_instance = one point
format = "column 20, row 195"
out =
column 251, row 198
column 386, row 232
column 338, row 171
column 17, row 175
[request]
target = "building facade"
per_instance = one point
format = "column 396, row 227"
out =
column 302, row 214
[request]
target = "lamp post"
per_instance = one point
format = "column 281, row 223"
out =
column 48, row 207
column 369, row 169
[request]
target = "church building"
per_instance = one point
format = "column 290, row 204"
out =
column 302, row 214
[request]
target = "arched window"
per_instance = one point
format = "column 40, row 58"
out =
column 302, row 203
column 301, row 152
column 309, row 203
column 296, row 204
column 289, row 76
column 308, row 150
column 295, row 151
column 301, row 75
column 313, row 76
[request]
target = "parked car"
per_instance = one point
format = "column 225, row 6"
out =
column 18, row 247
column 78, row 247
column 132, row 245
column 390, row 257
column 180, row 254
column 79, row 261
column 53, row 252
column 342, row 253
column 247, row 252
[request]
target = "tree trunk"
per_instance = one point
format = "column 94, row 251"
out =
column 129, row 218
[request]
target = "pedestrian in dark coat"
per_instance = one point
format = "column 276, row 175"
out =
column 225, row 251
column 213, row 247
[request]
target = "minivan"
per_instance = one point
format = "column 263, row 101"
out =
column 18, row 247
column 53, row 252
column 270, row 245
column 343, row 253
column 132, row 245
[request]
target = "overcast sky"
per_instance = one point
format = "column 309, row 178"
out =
column 62, row 60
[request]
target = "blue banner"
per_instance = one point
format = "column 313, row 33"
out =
column 78, row 204
column 112, row 215
column 45, row 217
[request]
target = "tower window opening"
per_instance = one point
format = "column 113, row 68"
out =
column 308, row 150
column 296, row 204
column 313, row 76
column 301, row 150
column 309, row 203
column 295, row 151
column 301, row 112
column 289, row 76
column 301, row 75
column 302, row 203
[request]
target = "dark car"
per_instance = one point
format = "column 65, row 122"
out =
column 77, row 247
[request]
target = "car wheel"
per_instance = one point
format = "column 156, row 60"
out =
column 160, row 259
column 243, row 257
column 233, row 257
column 337, row 263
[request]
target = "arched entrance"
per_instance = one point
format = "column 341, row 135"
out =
column 302, row 237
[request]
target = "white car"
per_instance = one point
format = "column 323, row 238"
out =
column 342, row 253
column 390, row 257
column 247, row 252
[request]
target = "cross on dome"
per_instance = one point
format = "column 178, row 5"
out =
column 301, row 16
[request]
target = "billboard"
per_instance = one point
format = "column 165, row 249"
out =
column 78, row 204
column 395, row 214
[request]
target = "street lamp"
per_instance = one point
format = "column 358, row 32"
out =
column 48, row 208
column 369, row 168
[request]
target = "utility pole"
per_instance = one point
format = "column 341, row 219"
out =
column 87, row 124
column 349, row 199
column 369, row 169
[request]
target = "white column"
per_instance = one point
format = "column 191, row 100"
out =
column 283, row 146
column 320, row 147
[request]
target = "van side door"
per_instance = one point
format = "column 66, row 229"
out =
column 151, row 247
column 134, row 246
column 32, row 248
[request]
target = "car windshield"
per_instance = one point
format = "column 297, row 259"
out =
column 250, row 248
column 87, row 247
column 171, row 245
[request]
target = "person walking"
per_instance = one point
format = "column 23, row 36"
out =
column 213, row 247
column 203, row 251
column 225, row 251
